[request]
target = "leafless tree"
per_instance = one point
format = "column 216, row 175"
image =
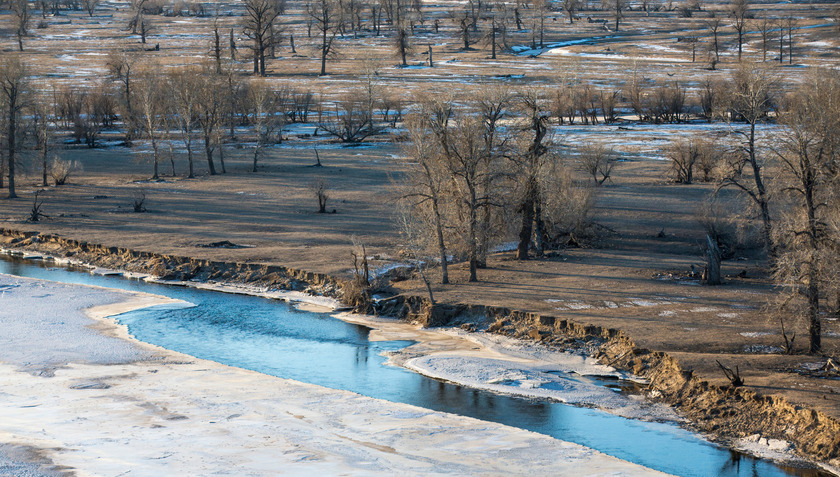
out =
column 809, row 237
column 21, row 16
column 44, row 119
column 617, row 7
column 90, row 6
column 319, row 188
column 713, row 25
column 765, row 28
column 752, row 95
column 351, row 119
column 185, row 88
column 120, row 64
column 326, row 17
column 264, row 115
column 790, row 25
column 14, row 93
column 529, row 158
column 461, row 138
column 258, row 25
column 148, row 96
column 539, row 9
column 210, row 111
column 462, row 21
column 427, row 179
column 739, row 10
column 683, row 154
column 598, row 161
column 571, row 6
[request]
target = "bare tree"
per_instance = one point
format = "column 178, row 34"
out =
column 752, row 93
column 598, row 161
column 462, row 21
column 21, row 17
column 765, row 28
column 210, row 111
column 44, row 118
column 120, row 64
column 264, row 115
column 713, row 24
column 258, row 26
column 427, row 179
column 319, row 188
column 185, row 87
column 13, row 96
column 326, row 17
column 807, row 264
column 683, row 154
column 790, row 25
column 149, row 99
column 617, row 7
column 90, row 6
column 530, row 159
column 739, row 10
column 462, row 138
column 571, row 6
column 351, row 119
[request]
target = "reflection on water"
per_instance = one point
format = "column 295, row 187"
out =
column 277, row 339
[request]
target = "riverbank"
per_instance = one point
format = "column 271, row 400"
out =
column 738, row 418
column 114, row 404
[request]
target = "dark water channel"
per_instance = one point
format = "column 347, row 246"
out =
column 275, row 338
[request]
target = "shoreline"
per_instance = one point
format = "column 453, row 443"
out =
column 674, row 386
column 85, row 415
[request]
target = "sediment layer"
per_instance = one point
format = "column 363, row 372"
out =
column 726, row 412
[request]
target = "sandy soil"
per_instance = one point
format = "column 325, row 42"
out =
column 171, row 413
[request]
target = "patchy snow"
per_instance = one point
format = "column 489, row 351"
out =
column 755, row 334
column 763, row 349
column 703, row 309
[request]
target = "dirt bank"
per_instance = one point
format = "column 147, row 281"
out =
column 728, row 413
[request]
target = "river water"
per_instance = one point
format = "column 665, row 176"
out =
column 275, row 338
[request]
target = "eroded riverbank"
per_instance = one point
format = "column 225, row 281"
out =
column 525, row 324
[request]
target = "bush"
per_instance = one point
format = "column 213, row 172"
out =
column 61, row 170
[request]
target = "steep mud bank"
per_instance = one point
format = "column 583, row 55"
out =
column 175, row 268
column 728, row 413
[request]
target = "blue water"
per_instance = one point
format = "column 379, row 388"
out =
column 274, row 338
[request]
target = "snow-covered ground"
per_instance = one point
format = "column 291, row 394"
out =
column 111, row 405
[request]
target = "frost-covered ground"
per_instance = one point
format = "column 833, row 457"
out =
column 112, row 405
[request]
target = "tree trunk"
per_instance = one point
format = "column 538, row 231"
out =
column 712, row 262
column 324, row 53
column 12, row 133
column 473, row 247
column 814, row 324
column 526, row 229
column 208, row 150
column 188, row 144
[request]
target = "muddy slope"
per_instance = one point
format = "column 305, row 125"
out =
column 726, row 412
